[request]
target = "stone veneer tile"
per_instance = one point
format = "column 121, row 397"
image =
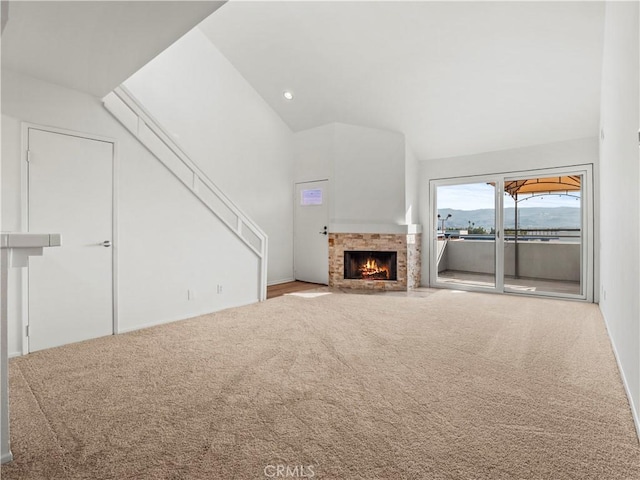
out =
column 408, row 258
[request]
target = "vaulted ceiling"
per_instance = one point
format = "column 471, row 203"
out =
column 93, row 46
column 455, row 77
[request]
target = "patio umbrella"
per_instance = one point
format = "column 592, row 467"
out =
column 536, row 187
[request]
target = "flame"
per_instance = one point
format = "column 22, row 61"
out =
column 372, row 269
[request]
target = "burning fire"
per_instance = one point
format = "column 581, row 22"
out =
column 372, row 270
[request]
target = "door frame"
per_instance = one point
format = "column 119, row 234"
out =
column 24, row 220
column 295, row 199
column 587, row 254
column 499, row 241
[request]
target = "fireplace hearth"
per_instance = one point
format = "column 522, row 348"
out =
column 361, row 265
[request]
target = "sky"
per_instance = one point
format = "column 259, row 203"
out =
column 481, row 195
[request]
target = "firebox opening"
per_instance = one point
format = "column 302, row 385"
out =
column 370, row 265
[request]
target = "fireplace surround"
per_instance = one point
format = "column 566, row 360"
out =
column 406, row 248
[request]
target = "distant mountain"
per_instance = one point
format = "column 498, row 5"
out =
column 535, row 217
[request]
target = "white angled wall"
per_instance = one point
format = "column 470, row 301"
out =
column 314, row 151
column 619, row 192
column 366, row 169
column 168, row 241
column 229, row 131
column 369, row 176
column 412, row 182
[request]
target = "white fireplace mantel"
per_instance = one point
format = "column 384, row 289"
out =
column 375, row 228
column 16, row 248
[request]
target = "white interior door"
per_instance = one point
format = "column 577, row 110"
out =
column 311, row 223
column 70, row 191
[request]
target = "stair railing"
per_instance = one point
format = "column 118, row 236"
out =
column 128, row 110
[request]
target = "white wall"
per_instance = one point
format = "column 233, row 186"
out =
column 314, row 153
column 168, row 241
column 619, row 192
column 560, row 154
column 230, row 132
column 366, row 169
column 412, row 201
column 369, row 180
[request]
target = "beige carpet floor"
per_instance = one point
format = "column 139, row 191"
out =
column 449, row 386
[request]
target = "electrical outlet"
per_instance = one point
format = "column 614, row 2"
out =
column 219, row 289
column 191, row 294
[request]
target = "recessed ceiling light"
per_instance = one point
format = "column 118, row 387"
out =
column 287, row 94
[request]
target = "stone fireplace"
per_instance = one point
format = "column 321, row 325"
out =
column 379, row 261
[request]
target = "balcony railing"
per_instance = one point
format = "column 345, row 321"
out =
column 541, row 254
column 523, row 234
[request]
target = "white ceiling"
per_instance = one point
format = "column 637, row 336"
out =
column 455, row 77
column 93, row 46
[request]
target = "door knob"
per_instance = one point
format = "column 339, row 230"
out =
column 106, row 243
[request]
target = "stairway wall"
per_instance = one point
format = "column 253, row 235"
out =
column 168, row 241
column 229, row 131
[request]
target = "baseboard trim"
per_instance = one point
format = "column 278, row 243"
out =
column 15, row 354
column 161, row 322
column 278, row 282
column 634, row 409
column 179, row 319
column 6, row 458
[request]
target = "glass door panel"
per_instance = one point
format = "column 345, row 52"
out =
column 543, row 235
column 465, row 235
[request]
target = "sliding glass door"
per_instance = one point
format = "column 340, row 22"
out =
column 543, row 226
column 526, row 233
column 465, row 227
